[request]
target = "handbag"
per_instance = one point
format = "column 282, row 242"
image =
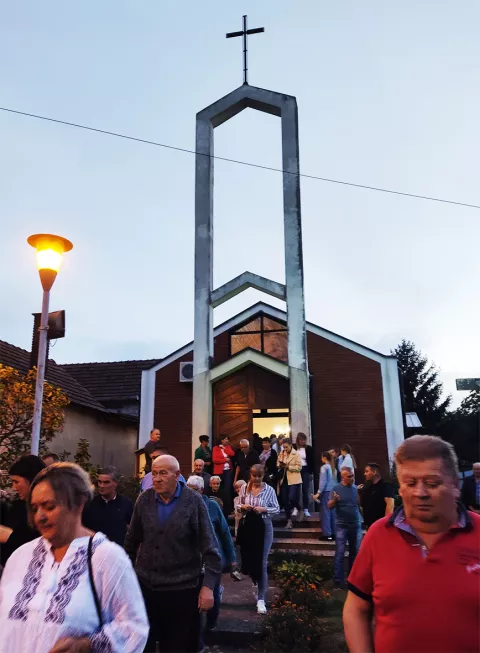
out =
column 92, row 583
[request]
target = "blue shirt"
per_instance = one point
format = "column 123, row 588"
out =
column 347, row 511
column 164, row 510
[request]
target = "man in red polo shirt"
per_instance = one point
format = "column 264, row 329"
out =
column 418, row 571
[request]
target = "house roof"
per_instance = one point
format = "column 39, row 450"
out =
column 114, row 381
column 19, row 359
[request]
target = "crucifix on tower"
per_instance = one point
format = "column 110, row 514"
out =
column 245, row 32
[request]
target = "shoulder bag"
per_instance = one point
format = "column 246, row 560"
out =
column 92, row 582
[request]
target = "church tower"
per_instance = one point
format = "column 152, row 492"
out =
column 292, row 292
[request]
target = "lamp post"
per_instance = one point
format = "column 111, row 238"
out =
column 50, row 250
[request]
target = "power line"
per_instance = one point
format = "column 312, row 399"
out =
column 243, row 163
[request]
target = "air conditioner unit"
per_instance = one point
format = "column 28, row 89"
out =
column 186, row 372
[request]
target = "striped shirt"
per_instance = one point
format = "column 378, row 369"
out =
column 266, row 498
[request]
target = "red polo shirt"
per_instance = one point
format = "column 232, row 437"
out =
column 424, row 602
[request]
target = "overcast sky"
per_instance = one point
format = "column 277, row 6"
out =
column 388, row 95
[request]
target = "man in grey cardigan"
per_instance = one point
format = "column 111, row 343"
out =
column 169, row 539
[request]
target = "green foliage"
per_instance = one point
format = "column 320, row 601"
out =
column 290, row 628
column 301, row 572
column 17, row 399
column 130, row 487
column 421, row 386
column 471, row 404
column 321, row 567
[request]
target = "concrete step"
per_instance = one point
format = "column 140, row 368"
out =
column 306, row 544
column 296, row 533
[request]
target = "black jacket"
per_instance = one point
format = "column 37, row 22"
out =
column 111, row 518
column 469, row 497
column 245, row 463
column 16, row 518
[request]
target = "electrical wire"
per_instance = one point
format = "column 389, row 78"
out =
column 106, row 132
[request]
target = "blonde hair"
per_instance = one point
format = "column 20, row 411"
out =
column 70, row 483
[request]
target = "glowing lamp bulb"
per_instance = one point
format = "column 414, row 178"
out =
column 50, row 250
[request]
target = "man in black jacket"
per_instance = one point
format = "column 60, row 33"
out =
column 244, row 461
column 471, row 490
column 109, row 512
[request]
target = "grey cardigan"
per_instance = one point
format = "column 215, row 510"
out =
column 171, row 557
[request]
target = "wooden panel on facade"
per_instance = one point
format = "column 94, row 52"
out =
column 236, row 423
column 346, row 403
column 173, row 413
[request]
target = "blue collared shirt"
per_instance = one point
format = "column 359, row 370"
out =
column 164, row 510
column 399, row 521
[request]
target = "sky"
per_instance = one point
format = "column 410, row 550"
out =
column 388, row 96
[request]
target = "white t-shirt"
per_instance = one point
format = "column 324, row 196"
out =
column 303, row 455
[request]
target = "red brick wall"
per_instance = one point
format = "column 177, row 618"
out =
column 346, row 402
column 173, row 412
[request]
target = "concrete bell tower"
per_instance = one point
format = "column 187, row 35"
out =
column 206, row 297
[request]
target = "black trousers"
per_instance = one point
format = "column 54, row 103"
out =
column 174, row 620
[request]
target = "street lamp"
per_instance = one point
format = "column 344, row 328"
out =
column 50, row 250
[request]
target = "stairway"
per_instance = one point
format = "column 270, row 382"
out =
column 302, row 538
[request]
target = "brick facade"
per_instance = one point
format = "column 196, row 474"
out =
column 346, row 402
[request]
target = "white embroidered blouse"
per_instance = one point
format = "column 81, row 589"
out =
column 42, row 601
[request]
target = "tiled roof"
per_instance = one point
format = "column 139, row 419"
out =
column 116, row 381
column 12, row 356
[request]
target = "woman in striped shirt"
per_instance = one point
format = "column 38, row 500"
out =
column 259, row 498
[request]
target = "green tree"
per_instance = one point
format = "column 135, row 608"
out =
column 422, row 388
column 17, row 398
column 471, row 404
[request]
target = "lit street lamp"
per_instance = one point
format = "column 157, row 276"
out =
column 50, row 250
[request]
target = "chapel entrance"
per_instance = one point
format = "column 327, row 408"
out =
column 245, row 399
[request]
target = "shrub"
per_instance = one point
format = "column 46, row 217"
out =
column 290, row 628
column 300, row 571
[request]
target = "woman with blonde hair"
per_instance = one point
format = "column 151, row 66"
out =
column 70, row 590
column 290, row 466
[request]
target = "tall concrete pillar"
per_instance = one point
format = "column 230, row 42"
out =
column 284, row 107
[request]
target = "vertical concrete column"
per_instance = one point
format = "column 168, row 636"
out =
column 297, row 343
column 203, row 326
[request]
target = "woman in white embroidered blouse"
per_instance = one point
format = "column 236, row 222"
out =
column 49, row 602
column 261, row 498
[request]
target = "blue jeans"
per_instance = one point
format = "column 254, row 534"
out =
column 290, row 497
column 267, row 545
column 327, row 516
column 305, row 488
column 351, row 533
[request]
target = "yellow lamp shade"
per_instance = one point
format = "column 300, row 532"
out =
column 50, row 250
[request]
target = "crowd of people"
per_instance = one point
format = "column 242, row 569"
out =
column 85, row 573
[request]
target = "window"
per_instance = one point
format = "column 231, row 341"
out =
column 262, row 334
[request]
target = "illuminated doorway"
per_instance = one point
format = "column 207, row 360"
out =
column 271, row 420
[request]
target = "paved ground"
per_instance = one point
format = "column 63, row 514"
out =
column 238, row 621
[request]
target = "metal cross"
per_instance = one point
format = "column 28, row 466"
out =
column 244, row 33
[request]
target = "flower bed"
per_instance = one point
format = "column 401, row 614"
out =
column 307, row 615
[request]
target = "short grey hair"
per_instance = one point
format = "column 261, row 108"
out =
column 199, row 460
column 70, row 483
column 196, row 483
column 112, row 471
column 215, row 478
column 244, row 441
column 346, row 469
